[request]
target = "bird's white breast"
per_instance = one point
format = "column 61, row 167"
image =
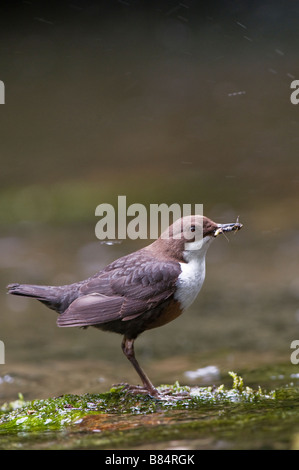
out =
column 190, row 281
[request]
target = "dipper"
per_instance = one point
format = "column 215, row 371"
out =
column 140, row 291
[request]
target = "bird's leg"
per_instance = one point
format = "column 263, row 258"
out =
column 128, row 350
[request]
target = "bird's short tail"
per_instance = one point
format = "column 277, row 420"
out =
column 51, row 296
column 27, row 290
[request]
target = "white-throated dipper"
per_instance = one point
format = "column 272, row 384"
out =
column 140, row 291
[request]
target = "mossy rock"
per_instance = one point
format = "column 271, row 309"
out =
column 60, row 412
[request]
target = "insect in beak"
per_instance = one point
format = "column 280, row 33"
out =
column 233, row 227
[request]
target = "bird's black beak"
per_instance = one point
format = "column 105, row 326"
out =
column 223, row 228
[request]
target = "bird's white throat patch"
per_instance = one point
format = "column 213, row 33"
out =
column 193, row 274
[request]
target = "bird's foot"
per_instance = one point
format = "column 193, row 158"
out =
column 167, row 393
column 164, row 394
column 139, row 390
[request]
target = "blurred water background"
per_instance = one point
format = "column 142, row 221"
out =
column 162, row 102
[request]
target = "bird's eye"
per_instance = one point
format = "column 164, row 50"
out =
column 192, row 228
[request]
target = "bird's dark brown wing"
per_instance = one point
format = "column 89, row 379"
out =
column 124, row 290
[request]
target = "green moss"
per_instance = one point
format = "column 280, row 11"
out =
column 232, row 416
column 58, row 413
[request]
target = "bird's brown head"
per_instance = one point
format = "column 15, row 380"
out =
column 189, row 234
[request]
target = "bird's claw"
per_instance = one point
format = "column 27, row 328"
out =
column 165, row 394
